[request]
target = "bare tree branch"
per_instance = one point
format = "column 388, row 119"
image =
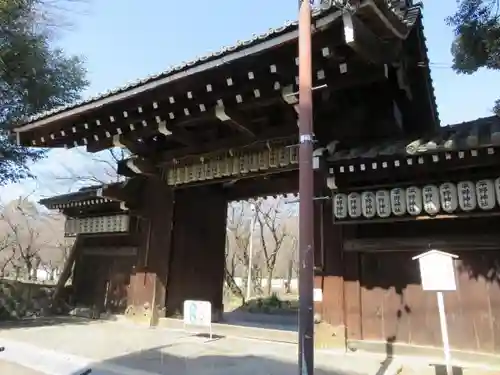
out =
column 238, row 239
column 27, row 231
column 98, row 169
column 269, row 217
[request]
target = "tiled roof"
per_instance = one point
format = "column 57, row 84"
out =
column 407, row 17
column 90, row 192
column 480, row 133
column 256, row 38
column 96, row 194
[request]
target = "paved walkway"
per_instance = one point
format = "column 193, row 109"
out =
column 120, row 349
column 69, row 347
column 9, row 368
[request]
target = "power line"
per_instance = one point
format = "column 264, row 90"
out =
column 422, row 64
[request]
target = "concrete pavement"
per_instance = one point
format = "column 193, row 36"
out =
column 66, row 347
column 10, row 368
column 111, row 348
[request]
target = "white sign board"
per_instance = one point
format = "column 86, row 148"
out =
column 197, row 313
column 318, row 295
column 437, row 271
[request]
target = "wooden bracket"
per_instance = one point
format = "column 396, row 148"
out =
column 362, row 40
column 233, row 119
column 141, row 166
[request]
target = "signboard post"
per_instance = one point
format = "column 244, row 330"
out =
column 198, row 313
column 318, row 295
column 438, row 275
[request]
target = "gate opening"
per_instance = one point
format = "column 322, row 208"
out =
column 261, row 260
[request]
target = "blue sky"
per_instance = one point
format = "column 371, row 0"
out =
column 126, row 40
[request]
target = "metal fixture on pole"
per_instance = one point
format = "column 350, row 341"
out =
column 306, row 193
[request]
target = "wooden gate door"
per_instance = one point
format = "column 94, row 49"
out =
column 118, row 283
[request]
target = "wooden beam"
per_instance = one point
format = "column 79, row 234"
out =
column 141, row 166
column 365, row 42
column 395, row 219
column 183, row 136
column 148, row 104
column 398, row 115
column 175, row 112
column 233, row 119
column 121, row 141
column 446, row 243
column 284, row 182
column 280, row 132
column 127, row 192
column 251, row 176
column 136, row 146
column 129, row 141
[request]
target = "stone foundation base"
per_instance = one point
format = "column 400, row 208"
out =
column 85, row 312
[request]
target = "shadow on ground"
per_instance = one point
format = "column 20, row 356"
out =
column 44, row 322
column 155, row 362
column 441, row 370
column 288, row 322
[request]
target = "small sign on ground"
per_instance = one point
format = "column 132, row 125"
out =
column 198, row 313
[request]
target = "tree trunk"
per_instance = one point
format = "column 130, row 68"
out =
column 29, row 269
column 270, row 280
column 233, row 287
column 288, row 288
column 66, row 272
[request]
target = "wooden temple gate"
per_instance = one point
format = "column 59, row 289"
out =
column 224, row 127
column 439, row 191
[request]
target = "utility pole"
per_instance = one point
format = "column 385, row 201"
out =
column 250, row 252
column 306, row 194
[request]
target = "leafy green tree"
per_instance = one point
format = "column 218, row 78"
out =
column 34, row 77
column 477, row 37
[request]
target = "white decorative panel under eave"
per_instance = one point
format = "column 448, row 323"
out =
column 191, row 171
column 430, row 195
column 171, row 177
column 264, row 160
column 273, row 158
column 254, row 162
column 414, row 200
column 340, row 206
column 485, row 193
column 97, row 224
column 497, row 189
column 449, row 198
column 368, row 205
column 398, row 201
column 466, row 195
column 383, row 198
column 354, row 202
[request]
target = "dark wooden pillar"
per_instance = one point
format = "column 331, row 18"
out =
column 148, row 283
column 330, row 277
column 197, row 264
column 329, row 272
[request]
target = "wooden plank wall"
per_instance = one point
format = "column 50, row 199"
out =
column 328, row 261
column 384, row 300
